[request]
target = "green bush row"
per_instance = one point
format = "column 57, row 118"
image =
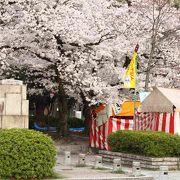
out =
column 74, row 122
column 26, row 154
column 153, row 144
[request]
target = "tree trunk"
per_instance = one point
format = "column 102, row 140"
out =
column 63, row 108
column 63, row 112
column 148, row 70
column 153, row 45
column 155, row 28
column 87, row 115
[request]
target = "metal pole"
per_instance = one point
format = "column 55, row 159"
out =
column 136, row 84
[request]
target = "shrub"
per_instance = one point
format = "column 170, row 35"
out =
column 74, row 122
column 154, row 144
column 32, row 119
column 52, row 121
column 26, row 154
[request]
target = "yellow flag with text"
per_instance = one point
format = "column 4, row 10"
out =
column 130, row 76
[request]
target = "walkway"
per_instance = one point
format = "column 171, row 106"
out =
column 80, row 145
column 88, row 172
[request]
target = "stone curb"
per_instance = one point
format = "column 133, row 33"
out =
column 146, row 162
column 114, row 178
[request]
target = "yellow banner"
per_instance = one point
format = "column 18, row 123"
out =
column 130, row 76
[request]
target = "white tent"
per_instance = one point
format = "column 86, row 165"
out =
column 162, row 100
column 160, row 111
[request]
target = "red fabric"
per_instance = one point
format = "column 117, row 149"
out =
column 127, row 124
column 143, row 121
column 110, row 126
column 99, row 137
column 118, row 124
column 164, row 122
column 104, row 136
column 171, row 127
column 99, row 134
column 155, row 122
column 90, row 134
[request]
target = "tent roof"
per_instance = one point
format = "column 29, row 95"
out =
column 100, row 108
column 173, row 95
column 161, row 100
column 128, row 108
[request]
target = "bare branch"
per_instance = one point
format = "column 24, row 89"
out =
column 103, row 38
column 27, row 49
column 168, row 33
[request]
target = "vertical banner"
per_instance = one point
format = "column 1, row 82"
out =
column 130, row 76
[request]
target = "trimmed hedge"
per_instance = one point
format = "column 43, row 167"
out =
column 26, row 154
column 153, row 144
column 74, row 122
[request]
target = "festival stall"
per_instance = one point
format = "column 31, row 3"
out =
column 160, row 111
column 110, row 118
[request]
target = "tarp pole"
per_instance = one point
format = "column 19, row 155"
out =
column 136, row 49
column 134, row 102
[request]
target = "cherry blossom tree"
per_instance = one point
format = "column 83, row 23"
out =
column 82, row 44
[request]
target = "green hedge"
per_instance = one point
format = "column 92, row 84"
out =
column 74, row 122
column 153, row 144
column 26, row 154
column 32, row 120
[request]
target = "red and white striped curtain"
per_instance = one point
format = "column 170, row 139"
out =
column 99, row 134
column 163, row 122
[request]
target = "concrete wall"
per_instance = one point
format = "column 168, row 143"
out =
column 14, row 108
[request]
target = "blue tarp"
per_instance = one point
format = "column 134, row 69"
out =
column 81, row 129
column 37, row 127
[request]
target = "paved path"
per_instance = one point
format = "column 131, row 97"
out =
column 173, row 175
column 74, row 172
column 88, row 172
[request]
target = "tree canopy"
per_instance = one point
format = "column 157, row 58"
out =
column 82, row 44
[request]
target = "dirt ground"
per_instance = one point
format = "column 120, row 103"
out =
column 72, row 138
column 78, row 143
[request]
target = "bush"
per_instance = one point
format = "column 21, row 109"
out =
column 154, row 144
column 32, row 120
column 26, row 154
column 52, row 121
column 74, row 122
